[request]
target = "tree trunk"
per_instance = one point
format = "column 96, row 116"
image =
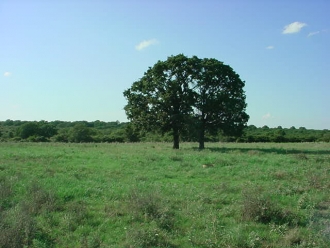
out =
column 201, row 140
column 202, row 133
column 176, row 138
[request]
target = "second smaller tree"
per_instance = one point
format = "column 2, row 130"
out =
column 219, row 99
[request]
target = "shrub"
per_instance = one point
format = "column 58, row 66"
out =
column 81, row 133
column 259, row 207
column 149, row 206
column 18, row 226
column 5, row 193
column 76, row 215
column 293, row 237
column 147, row 236
column 40, row 200
column 145, row 204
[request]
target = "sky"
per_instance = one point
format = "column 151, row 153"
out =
column 71, row 60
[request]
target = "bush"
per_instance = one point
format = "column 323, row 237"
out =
column 145, row 204
column 40, row 200
column 6, row 192
column 35, row 138
column 147, row 236
column 36, row 131
column 81, row 133
column 18, row 226
column 259, row 207
column 149, row 206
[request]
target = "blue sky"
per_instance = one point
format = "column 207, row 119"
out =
column 71, row 60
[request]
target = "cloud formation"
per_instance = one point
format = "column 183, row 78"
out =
column 146, row 43
column 294, row 27
column 267, row 116
column 270, row 47
column 313, row 33
column 317, row 32
column 7, row 74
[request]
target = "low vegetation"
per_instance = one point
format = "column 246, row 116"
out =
column 101, row 132
column 148, row 195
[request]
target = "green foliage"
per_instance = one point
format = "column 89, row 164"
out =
column 162, row 99
column 28, row 129
column 18, row 223
column 62, row 135
column 147, row 236
column 39, row 131
column 132, row 134
column 60, row 131
column 151, row 207
column 46, row 129
column 80, row 133
column 280, row 135
column 182, row 92
column 260, row 207
column 220, row 99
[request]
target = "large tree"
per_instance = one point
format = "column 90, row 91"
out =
column 162, row 99
column 219, row 99
column 185, row 91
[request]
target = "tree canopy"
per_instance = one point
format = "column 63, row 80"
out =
column 162, row 98
column 220, row 99
column 182, row 91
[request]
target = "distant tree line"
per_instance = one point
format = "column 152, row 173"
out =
column 279, row 134
column 99, row 131
column 62, row 131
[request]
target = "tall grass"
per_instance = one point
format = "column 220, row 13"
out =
column 148, row 195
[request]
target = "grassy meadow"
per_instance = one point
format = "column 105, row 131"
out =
column 149, row 195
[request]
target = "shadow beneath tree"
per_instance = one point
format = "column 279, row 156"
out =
column 271, row 150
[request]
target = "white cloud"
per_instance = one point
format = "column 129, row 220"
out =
column 267, row 116
column 7, row 74
column 317, row 32
column 313, row 33
column 294, row 27
column 270, row 47
column 144, row 44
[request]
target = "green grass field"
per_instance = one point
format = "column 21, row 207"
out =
column 149, row 195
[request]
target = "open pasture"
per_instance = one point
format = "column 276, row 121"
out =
column 149, row 195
